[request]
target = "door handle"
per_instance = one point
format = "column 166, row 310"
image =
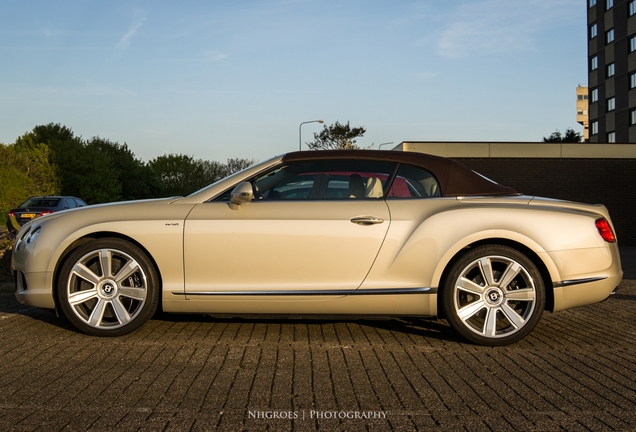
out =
column 367, row 220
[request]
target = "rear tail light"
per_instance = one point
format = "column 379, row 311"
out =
column 10, row 214
column 605, row 230
column 45, row 212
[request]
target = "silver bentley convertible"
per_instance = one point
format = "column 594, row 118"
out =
column 355, row 233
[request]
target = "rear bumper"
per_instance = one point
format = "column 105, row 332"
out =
column 589, row 276
column 581, row 294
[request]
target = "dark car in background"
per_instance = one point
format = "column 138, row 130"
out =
column 40, row 206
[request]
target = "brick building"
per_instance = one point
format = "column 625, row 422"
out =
column 590, row 173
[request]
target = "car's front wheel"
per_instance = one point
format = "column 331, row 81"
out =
column 108, row 287
column 493, row 295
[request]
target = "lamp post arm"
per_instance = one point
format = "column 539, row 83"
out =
column 300, row 132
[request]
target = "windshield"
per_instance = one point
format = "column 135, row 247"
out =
column 40, row 202
column 213, row 189
column 238, row 173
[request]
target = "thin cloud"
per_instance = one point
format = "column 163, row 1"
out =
column 47, row 93
column 124, row 42
column 496, row 26
column 424, row 76
column 49, row 32
column 214, row 56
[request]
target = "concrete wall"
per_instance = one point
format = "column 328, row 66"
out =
column 609, row 178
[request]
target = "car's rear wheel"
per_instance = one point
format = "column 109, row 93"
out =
column 108, row 287
column 493, row 295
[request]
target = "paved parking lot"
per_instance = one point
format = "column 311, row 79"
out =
column 576, row 371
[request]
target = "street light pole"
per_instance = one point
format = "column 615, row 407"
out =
column 300, row 132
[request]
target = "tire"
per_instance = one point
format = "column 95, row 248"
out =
column 493, row 295
column 108, row 287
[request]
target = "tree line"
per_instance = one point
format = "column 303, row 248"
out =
column 51, row 160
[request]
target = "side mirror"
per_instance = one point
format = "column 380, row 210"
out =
column 241, row 194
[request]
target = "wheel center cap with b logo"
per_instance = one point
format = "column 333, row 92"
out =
column 108, row 289
column 494, row 296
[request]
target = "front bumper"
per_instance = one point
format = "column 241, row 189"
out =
column 33, row 289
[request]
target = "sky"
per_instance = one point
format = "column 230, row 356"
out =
column 223, row 79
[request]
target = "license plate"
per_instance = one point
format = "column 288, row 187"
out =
column 28, row 215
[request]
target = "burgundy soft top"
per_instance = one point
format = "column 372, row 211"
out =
column 454, row 178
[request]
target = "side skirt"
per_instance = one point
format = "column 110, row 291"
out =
column 381, row 302
column 339, row 293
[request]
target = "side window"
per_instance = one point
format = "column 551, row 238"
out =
column 69, row 203
column 296, row 187
column 337, row 186
column 414, row 182
column 326, row 180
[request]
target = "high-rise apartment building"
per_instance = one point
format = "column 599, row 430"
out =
column 582, row 110
column 612, row 70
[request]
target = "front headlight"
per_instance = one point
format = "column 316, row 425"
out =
column 21, row 237
column 30, row 238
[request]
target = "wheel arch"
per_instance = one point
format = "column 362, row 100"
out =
column 95, row 236
column 527, row 251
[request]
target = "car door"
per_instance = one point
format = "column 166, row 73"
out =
column 413, row 197
column 299, row 235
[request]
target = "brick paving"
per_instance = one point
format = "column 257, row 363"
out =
column 575, row 372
